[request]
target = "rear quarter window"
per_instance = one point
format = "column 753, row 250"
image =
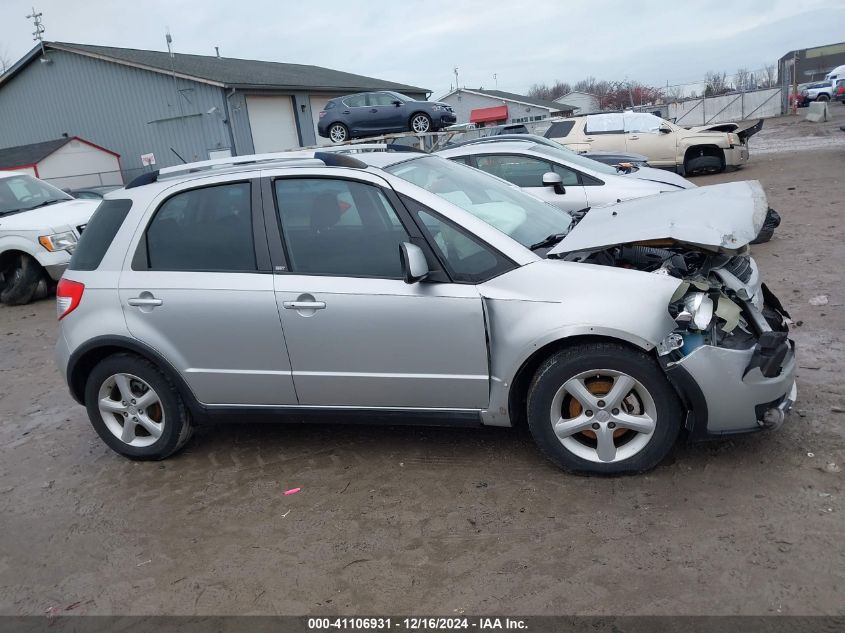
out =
column 560, row 129
column 99, row 234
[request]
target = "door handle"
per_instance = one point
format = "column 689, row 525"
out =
column 589, row 139
column 304, row 305
column 149, row 302
column 346, row 111
column 373, row 110
column 633, row 138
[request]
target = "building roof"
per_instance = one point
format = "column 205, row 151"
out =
column 226, row 71
column 512, row 96
column 29, row 154
column 24, row 155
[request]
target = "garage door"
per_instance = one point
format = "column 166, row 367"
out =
column 317, row 104
column 272, row 123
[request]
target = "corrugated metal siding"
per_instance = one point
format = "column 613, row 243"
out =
column 127, row 110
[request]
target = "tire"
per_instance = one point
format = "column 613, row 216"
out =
column 338, row 133
column 706, row 163
column 769, row 225
column 823, row 98
column 162, row 427
column 420, row 123
column 21, row 280
column 650, row 403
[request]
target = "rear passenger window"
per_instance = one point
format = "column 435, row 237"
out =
column 522, row 171
column 604, row 124
column 98, row 234
column 206, row 229
column 339, row 227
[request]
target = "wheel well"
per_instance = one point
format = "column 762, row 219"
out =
column 704, row 150
column 7, row 256
column 518, row 392
column 81, row 367
column 411, row 118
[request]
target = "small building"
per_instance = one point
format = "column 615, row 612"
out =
column 70, row 162
column 812, row 64
column 582, row 102
column 154, row 108
column 496, row 107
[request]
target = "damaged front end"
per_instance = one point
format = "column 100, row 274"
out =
column 729, row 355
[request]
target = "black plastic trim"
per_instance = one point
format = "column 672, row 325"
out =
column 692, row 398
column 395, row 417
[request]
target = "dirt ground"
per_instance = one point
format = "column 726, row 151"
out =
column 443, row 521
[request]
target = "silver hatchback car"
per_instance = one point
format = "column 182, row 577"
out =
column 405, row 286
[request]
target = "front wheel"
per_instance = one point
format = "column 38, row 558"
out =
column 603, row 408
column 135, row 409
column 823, row 98
column 421, row 123
column 338, row 133
column 22, row 281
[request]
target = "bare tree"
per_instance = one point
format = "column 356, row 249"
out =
column 768, row 78
column 549, row 93
column 741, row 79
column 5, row 60
column 715, row 84
column 674, row 93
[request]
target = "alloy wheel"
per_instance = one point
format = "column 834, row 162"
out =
column 420, row 123
column 603, row 415
column 131, row 410
column 337, row 133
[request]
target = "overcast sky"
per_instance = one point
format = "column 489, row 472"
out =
column 420, row 42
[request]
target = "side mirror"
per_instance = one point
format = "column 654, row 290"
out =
column 397, row 103
column 551, row 179
column 665, row 129
column 414, row 266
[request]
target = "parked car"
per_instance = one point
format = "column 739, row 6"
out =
column 374, row 113
column 92, row 193
column 562, row 177
column 819, row 91
column 614, row 159
column 839, row 90
column 665, row 144
column 39, row 228
column 420, row 289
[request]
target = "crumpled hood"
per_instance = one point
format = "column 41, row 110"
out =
column 722, row 217
column 52, row 217
column 660, row 175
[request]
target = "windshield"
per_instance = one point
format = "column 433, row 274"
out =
column 22, row 193
column 502, row 205
column 573, row 158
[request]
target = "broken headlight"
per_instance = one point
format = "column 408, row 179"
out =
column 697, row 310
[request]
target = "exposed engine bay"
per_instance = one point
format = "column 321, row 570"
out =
column 721, row 300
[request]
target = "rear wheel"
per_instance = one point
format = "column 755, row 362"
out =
column 20, row 280
column 338, row 132
column 135, row 409
column 603, row 408
column 421, row 123
column 823, row 98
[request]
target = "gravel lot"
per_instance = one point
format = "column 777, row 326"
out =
column 443, row 521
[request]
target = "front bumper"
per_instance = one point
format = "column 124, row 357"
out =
column 54, row 263
column 447, row 119
column 737, row 155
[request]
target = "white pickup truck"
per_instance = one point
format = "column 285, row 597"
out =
column 39, row 228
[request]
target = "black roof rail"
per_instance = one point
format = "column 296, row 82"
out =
column 331, row 159
column 143, row 179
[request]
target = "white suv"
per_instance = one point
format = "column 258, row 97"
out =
column 39, row 228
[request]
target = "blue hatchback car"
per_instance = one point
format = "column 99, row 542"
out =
column 374, row 113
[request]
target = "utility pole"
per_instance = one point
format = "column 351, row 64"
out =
column 38, row 33
column 457, row 83
column 496, row 80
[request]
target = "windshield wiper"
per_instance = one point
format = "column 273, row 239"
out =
column 43, row 204
column 550, row 240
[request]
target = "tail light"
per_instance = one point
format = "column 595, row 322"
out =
column 68, row 296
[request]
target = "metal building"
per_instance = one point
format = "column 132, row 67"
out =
column 475, row 105
column 811, row 64
column 152, row 106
